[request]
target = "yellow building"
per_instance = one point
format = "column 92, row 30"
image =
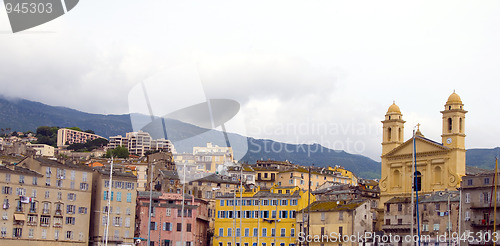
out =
column 299, row 176
column 329, row 221
column 259, row 217
column 440, row 165
column 346, row 173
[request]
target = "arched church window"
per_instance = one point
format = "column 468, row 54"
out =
column 449, row 124
column 418, row 181
column 389, row 133
column 400, row 135
column 460, row 124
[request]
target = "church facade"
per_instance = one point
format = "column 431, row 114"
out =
column 440, row 165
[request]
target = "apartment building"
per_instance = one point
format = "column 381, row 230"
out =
column 167, row 221
column 120, row 203
column 299, row 176
column 244, row 172
column 328, row 221
column 438, row 213
column 138, row 143
column 66, row 137
column 45, row 202
column 41, row 149
column 259, row 217
column 478, row 204
column 208, row 187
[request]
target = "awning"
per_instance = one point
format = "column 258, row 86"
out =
column 19, row 217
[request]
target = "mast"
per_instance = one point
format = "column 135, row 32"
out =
column 150, row 200
column 413, row 186
column 309, row 203
column 109, row 202
column 495, row 208
column 241, row 201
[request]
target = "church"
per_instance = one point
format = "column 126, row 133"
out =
column 440, row 165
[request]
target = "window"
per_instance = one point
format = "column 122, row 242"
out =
column 282, row 232
column 118, row 196
column 486, row 180
column 467, row 197
column 7, row 177
column 84, row 177
column 400, row 207
column 70, row 220
column 82, row 210
column 17, row 232
column 179, row 227
column 7, row 190
column 127, row 222
column 44, row 233
column 229, row 232
column 323, row 216
column 35, row 181
column 5, row 216
column 400, row 221
column 153, row 226
column 127, row 211
column 388, row 207
column 436, row 227
column 59, row 196
column 188, row 227
column 20, row 191
column 70, row 209
column 292, row 232
column 167, row 226
column 58, row 221
column 33, row 193
column 72, row 185
column 4, row 232
column 44, row 220
column 425, row 227
column 284, row 202
column 129, row 197
column 6, row 203
column 221, row 232
column 168, row 211
column 47, row 194
column 341, row 215
column 264, row 232
column 59, row 183
column 71, row 196
column 69, row 235
column 117, row 221
column 469, row 182
column 21, row 179
column 56, row 234
column 387, row 221
column 247, row 232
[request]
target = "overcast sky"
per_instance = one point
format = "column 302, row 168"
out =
column 304, row 72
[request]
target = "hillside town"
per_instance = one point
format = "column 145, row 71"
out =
column 56, row 195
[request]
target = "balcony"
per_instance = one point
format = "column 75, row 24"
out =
column 397, row 228
column 482, row 204
column 19, row 209
column 45, row 211
column 482, row 223
column 33, row 210
column 59, row 212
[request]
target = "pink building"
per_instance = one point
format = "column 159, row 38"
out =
column 67, row 136
column 166, row 222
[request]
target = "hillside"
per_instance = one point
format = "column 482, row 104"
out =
column 482, row 158
column 24, row 115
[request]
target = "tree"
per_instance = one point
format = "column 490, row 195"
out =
column 75, row 128
column 119, row 152
column 89, row 131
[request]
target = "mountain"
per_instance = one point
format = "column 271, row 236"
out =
column 24, row 115
column 482, row 158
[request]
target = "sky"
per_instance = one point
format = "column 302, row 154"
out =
column 303, row 71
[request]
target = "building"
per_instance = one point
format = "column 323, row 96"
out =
column 438, row 212
column 139, row 143
column 167, row 221
column 41, row 149
column 346, row 173
column 478, row 203
column 45, row 202
column 122, row 201
column 441, row 165
column 244, row 172
column 66, row 137
column 207, row 187
column 299, row 176
column 210, row 158
column 259, row 217
column 330, row 220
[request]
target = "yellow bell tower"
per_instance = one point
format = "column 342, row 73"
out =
column 453, row 135
column 393, row 129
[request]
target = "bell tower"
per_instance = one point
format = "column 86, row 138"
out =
column 393, row 129
column 453, row 135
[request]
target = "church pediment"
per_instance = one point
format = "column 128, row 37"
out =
column 423, row 145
